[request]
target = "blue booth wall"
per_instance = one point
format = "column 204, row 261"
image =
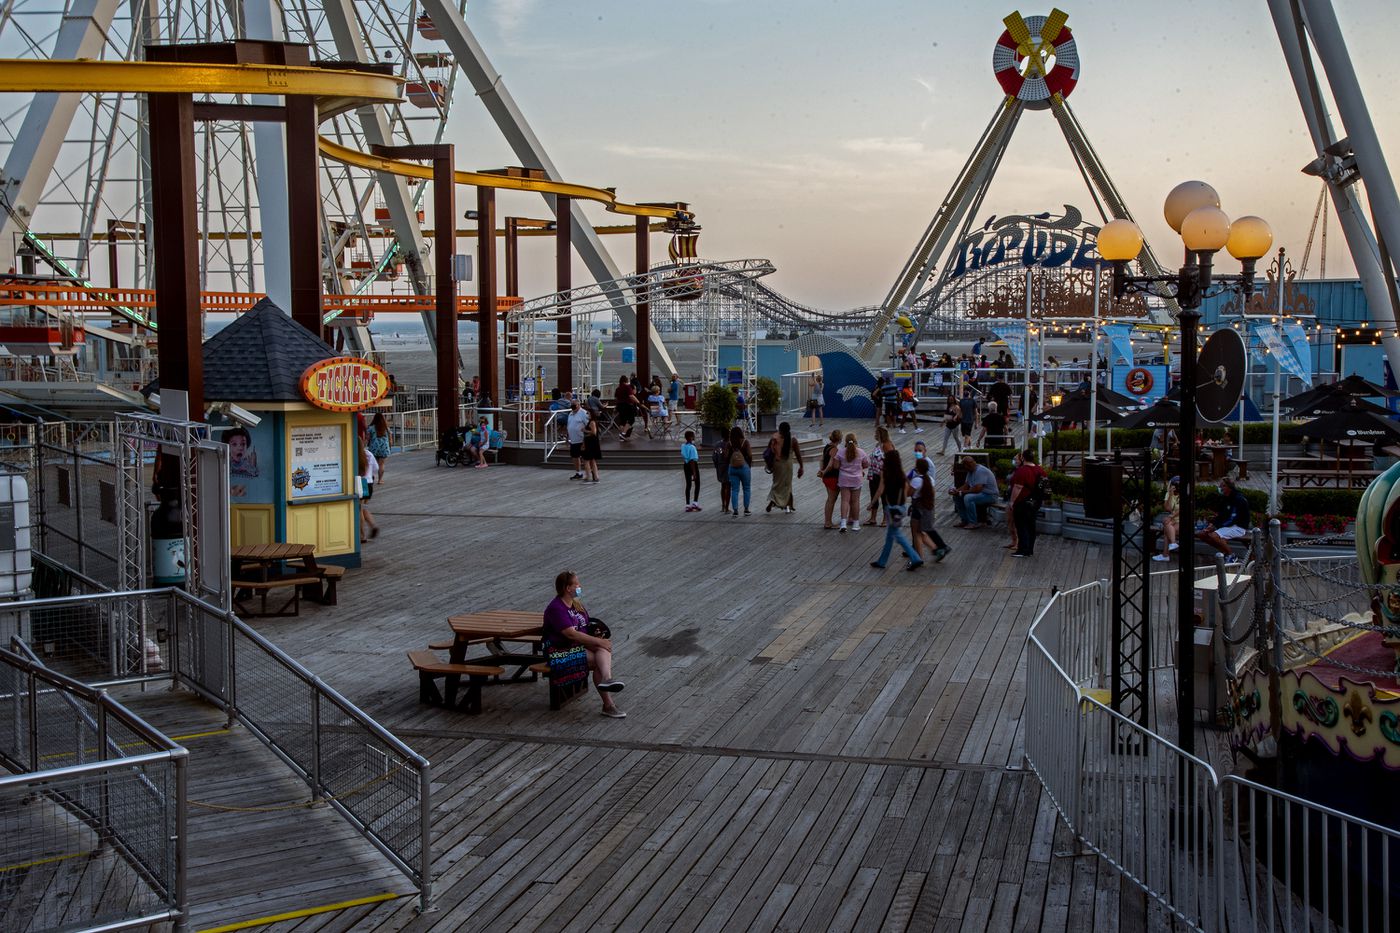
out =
column 773, row 360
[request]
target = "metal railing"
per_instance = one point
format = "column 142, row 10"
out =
column 349, row 761
column 93, row 786
column 85, row 634
column 1218, row 853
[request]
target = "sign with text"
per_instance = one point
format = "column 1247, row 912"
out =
column 344, row 383
column 315, row 460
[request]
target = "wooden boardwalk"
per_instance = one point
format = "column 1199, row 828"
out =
column 811, row 743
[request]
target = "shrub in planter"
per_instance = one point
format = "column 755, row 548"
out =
column 1320, row 501
column 1317, row 526
column 770, row 397
column 718, row 409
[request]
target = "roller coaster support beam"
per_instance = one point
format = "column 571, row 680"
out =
column 951, row 213
column 34, row 154
column 486, row 349
column 176, row 232
column 490, row 87
column 563, row 281
column 1343, row 161
column 262, row 22
column 374, row 124
column 643, row 302
column 444, row 249
column 512, row 257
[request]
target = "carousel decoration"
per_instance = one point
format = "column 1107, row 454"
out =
column 1036, row 59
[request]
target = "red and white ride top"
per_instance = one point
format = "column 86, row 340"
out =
column 1035, row 69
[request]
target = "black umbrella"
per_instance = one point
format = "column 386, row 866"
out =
column 1352, row 386
column 1160, row 414
column 1077, row 408
column 1331, row 402
column 1117, row 399
column 1349, row 424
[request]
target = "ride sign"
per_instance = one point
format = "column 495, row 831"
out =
column 344, row 383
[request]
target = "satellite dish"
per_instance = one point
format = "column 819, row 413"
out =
column 1221, row 371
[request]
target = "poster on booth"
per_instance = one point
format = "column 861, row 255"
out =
column 249, row 479
column 314, row 463
column 1145, row 383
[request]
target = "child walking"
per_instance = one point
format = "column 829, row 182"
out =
column 690, row 463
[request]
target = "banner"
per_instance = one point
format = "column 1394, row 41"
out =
column 1014, row 336
column 1121, row 340
column 1282, row 353
column 1296, row 336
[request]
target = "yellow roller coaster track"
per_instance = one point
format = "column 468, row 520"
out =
column 336, row 91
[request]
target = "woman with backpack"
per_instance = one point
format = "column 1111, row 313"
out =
column 892, row 497
column 719, row 456
column 378, row 440
column 1027, row 493
column 740, row 459
column 779, row 457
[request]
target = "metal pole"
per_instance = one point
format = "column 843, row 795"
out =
column 564, row 280
column 181, row 762
column 512, row 260
column 445, row 288
column 486, row 294
column 642, row 244
column 315, row 744
column 1274, row 503
column 1094, row 366
column 425, row 841
column 1190, row 319
column 78, row 509
column 1025, row 359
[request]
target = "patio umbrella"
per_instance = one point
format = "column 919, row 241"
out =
column 1352, row 386
column 1330, row 402
column 1077, row 408
column 1117, row 399
column 1350, row 424
column 1160, row 414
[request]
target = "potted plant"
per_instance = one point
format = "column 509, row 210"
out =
column 770, row 402
column 718, row 409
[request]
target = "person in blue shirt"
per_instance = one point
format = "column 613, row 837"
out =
column 690, row 463
column 674, row 392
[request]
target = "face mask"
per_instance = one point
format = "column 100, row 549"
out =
column 578, row 592
column 918, row 455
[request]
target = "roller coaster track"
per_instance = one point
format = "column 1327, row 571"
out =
column 336, row 91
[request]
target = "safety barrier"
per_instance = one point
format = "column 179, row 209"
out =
column 92, row 822
column 348, row 761
column 1219, row 854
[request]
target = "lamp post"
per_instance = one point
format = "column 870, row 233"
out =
column 1192, row 209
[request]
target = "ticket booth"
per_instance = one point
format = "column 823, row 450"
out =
column 287, row 406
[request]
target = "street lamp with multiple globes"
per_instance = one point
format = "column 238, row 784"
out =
column 1193, row 210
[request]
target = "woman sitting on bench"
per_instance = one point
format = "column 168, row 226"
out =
column 566, row 624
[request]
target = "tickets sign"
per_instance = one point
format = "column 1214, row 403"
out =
column 344, row 383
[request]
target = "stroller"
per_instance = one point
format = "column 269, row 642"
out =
column 452, row 447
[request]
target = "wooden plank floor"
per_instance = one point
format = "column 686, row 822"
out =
column 811, row 743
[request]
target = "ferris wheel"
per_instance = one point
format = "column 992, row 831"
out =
column 76, row 191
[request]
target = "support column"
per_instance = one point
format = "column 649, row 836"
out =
column 304, row 213
column 444, row 248
column 644, row 304
column 563, row 281
column 486, row 292
column 512, row 363
column 176, row 232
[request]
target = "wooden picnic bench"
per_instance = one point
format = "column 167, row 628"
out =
column 251, row 567
column 245, row 590
column 1354, row 479
column 430, row 667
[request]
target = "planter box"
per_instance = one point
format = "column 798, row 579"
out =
column 1068, row 508
column 711, row 437
column 1049, row 521
column 767, row 422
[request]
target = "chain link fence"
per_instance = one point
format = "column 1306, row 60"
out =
column 85, row 635
column 92, row 820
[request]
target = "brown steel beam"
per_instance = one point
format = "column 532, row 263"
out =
column 563, row 281
column 176, row 232
column 304, row 213
column 643, row 304
column 512, row 363
column 444, row 286
column 486, row 340
column 247, row 113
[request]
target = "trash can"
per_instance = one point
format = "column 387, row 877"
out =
column 629, row 354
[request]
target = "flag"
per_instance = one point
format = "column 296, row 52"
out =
column 1282, row 353
column 1014, row 336
column 1297, row 339
column 1121, row 339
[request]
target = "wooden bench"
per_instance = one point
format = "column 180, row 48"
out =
column 430, row 667
column 262, row 587
column 558, row 696
column 1328, row 478
column 331, row 574
column 1241, row 464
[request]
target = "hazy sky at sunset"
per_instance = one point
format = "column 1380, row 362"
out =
column 823, row 134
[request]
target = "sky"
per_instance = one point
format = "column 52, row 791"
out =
column 823, row 134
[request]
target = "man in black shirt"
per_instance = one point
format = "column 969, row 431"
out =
column 1000, row 393
column 1232, row 521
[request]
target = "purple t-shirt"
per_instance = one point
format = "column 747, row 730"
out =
column 559, row 615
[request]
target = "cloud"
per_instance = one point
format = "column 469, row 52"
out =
column 884, row 145
column 668, row 153
column 510, row 15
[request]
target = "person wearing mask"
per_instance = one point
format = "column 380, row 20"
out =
column 1026, row 502
column 566, row 623
column 1230, row 522
column 978, row 489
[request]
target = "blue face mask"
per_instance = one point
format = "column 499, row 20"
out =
column 578, row 592
column 918, row 455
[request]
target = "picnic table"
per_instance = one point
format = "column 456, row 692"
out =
column 251, row 571
column 493, row 629
column 1219, row 460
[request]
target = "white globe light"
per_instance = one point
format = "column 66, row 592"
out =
column 1119, row 240
column 1185, row 198
column 1250, row 237
column 1205, row 230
